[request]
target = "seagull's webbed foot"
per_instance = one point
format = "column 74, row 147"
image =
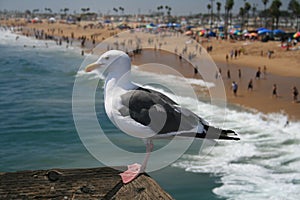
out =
column 135, row 169
column 131, row 173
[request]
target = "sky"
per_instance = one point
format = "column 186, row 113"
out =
column 179, row 7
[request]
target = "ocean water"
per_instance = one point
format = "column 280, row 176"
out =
column 37, row 131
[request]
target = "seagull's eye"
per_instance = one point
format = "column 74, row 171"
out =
column 106, row 58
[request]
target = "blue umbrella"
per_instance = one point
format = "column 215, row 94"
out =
column 278, row 31
column 261, row 28
column 212, row 34
column 264, row 31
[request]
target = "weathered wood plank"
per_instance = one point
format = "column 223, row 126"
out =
column 95, row 183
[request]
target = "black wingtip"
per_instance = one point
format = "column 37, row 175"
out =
column 229, row 135
column 215, row 133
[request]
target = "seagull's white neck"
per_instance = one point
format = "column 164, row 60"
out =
column 117, row 81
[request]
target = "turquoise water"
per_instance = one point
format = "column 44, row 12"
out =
column 37, row 131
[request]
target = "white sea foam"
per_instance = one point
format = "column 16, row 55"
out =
column 265, row 164
column 8, row 37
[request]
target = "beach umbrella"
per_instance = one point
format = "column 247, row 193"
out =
column 221, row 34
column 237, row 32
column 162, row 25
column 245, row 31
column 170, row 24
column 264, row 31
column 189, row 33
column 176, row 25
column 278, row 31
column 149, row 26
column 202, row 32
column 52, row 19
column 232, row 31
column 296, row 35
column 212, row 34
column 253, row 34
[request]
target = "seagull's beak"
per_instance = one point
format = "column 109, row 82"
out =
column 92, row 67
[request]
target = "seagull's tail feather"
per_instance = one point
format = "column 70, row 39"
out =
column 215, row 133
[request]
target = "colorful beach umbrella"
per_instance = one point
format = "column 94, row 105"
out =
column 253, row 34
column 296, row 35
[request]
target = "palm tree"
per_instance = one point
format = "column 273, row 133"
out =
column 242, row 14
column 247, row 9
column 254, row 13
column 275, row 12
column 116, row 10
column 265, row 2
column 208, row 9
column 122, row 9
column 219, row 9
column 228, row 7
column 66, row 10
column 294, row 7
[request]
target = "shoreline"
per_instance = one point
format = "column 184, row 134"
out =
column 260, row 98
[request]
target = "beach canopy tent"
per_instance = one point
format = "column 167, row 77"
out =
column 296, row 35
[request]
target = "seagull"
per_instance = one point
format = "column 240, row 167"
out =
column 146, row 113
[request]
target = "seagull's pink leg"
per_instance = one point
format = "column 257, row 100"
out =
column 135, row 169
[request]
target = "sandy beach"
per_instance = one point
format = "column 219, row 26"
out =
column 283, row 68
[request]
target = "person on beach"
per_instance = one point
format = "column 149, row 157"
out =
column 227, row 57
column 250, row 85
column 274, row 91
column 258, row 73
column 265, row 72
column 234, row 88
column 239, row 73
column 231, row 54
column 228, row 74
column 295, row 94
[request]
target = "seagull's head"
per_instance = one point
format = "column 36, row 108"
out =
column 113, row 61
